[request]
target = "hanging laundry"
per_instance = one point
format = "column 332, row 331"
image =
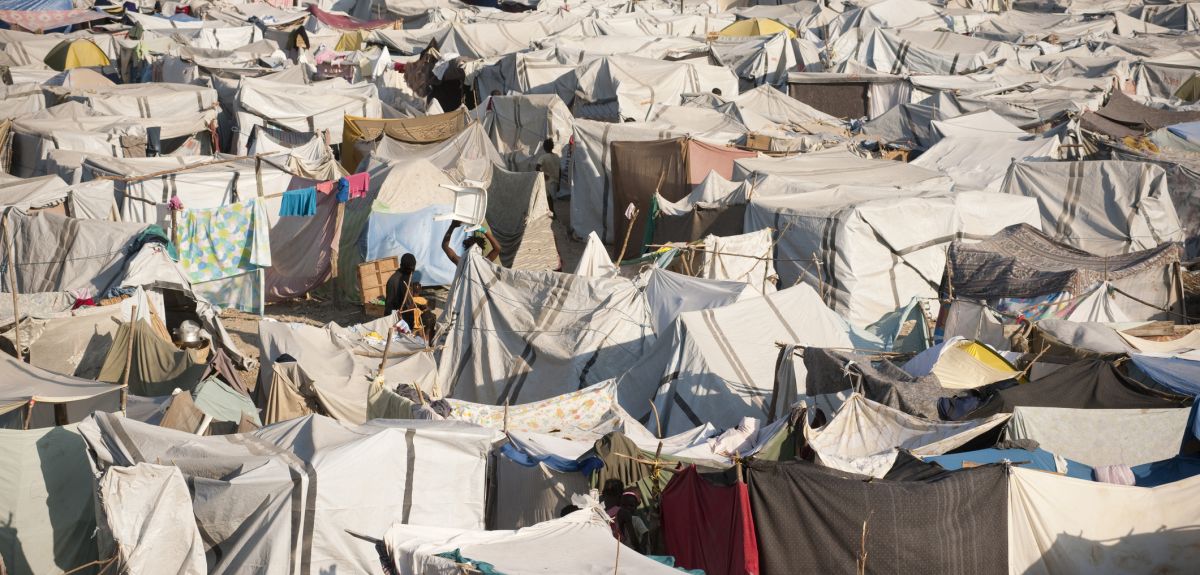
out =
column 359, row 184
column 221, row 242
column 301, row 202
column 326, row 187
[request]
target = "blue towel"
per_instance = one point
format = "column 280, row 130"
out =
column 302, row 202
column 343, row 190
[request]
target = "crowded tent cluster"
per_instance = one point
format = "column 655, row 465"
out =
column 636, row 286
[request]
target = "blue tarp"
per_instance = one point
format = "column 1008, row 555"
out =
column 1038, row 459
column 418, row 234
column 1179, row 374
column 584, row 465
column 1189, row 131
column 1166, row 471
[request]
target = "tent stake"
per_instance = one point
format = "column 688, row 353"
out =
column 12, row 284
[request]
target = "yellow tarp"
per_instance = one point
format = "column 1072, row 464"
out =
column 420, row 130
column 81, row 53
column 756, row 27
column 970, row 364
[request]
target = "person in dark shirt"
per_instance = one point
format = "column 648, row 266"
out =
column 401, row 290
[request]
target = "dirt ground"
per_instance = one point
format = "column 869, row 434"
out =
column 243, row 327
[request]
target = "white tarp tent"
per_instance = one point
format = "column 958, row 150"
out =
column 289, row 498
column 1098, row 437
column 147, row 513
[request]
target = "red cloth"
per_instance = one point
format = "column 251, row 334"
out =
column 346, row 22
column 359, row 184
column 709, row 526
column 39, row 20
column 702, row 158
column 326, row 187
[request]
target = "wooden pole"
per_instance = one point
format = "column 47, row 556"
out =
column 628, row 231
column 12, row 284
column 129, row 352
column 28, row 413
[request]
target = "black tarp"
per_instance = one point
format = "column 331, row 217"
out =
column 832, row 371
column 809, row 519
column 1086, row 384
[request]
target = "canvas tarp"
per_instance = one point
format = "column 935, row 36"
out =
column 1098, row 437
column 419, row 130
column 670, row 294
column 585, row 414
column 980, row 163
column 1087, row 384
column 581, row 542
column 519, row 124
column 718, row 365
column 304, row 248
column 46, row 501
column 522, row 336
column 810, row 519
column 743, row 258
column 1022, row 262
column 289, row 498
column 157, row 367
column 30, row 391
column 864, row 435
column 520, row 218
column 338, row 363
column 303, row 108
column 1062, row 525
column 147, row 512
column 831, row 371
column 639, row 171
column 871, row 250
column 1106, row 207
column 836, row 167
column 726, row 544
column 57, row 253
column 715, row 206
column 528, row 495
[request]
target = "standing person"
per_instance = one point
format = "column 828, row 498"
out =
column 401, row 291
column 549, row 164
column 476, row 239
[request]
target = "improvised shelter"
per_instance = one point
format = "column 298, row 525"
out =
column 291, row 496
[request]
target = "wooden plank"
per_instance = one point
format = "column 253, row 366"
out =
column 1152, row 329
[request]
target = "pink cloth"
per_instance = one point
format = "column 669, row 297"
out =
column 346, row 22
column 702, row 158
column 326, row 187
column 359, row 184
column 39, row 20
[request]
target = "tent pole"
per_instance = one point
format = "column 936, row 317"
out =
column 129, row 353
column 12, row 284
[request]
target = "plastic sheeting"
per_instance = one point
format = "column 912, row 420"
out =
column 289, row 497
column 148, row 513
column 1098, row 437
column 1064, row 525
column 864, row 435
column 522, row 336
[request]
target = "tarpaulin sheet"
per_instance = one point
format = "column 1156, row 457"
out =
column 522, row 336
column 831, row 371
column 343, row 22
column 418, row 233
column 157, row 367
column 584, row 414
column 21, row 383
column 304, row 250
column 1104, row 436
column 812, row 520
column 703, row 158
column 1039, row 459
column 57, row 253
column 708, row 526
column 419, row 130
column 864, row 435
column 40, row 20
column 148, row 513
column 1179, row 372
column 46, row 500
column 291, row 497
column 1066, row 525
column 527, row 496
column 519, row 218
column 1087, row 384
column 639, row 171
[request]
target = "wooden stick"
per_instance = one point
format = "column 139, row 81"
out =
column 28, row 413
column 129, row 351
column 628, row 232
column 12, row 284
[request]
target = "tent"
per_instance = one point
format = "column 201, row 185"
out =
column 1088, row 384
column 156, row 366
column 863, row 436
column 1058, row 523
column 1098, row 437
column 756, row 27
column 47, row 501
column 516, row 336
column 1042, row 277
column 878, row 379
column 295, row 494
column 960, row 363
column 853, row 244
column 147, row 514
column 358, row 132
column 1081, row 203
column 577, row 543
column 81, row 53
column 31, row 397
column 812, row 519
